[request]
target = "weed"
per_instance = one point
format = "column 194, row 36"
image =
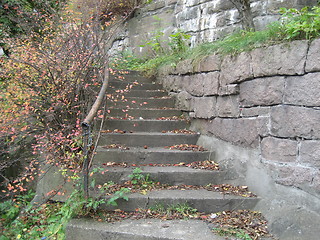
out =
column 141, row 181
column 301, row 24
column 181, row 209
column 238, row 233
column 121, row 194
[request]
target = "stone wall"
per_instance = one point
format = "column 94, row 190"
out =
column 204, row 20
column 266, row 99
column 260, row 112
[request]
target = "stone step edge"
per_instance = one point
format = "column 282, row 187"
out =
column 142, row 229
column 202, row 200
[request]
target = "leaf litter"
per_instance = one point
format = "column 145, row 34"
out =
column 249, row 222
column 187, row 147
column 204, row 165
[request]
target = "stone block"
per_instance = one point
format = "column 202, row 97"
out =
column 291, row 121
column 177, row 83
column 262, row 92
column 263, row 126
column 279, row 150
column 255, row 111
column 296, row 176
column 192, row 13
column 235, row 69
column 167, row 82
column 282, row 59
column 169, row 2
column 242, row 131
column 208, row 64
column 184, row 101
column 194, row 84
column 310, row 153
column 221, row 5
column 303, row 90
column 228, row 106
column 184, row 67
column 210, row 83
column 166, row 70
column 313, row 57
column 204, row 107
column 230, row 89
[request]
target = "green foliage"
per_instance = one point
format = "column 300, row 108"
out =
column 181, row 208
column 155, row 43
column 301, row 24
column 120, row 194
column 238, row 233
column 25, row 16
column 141, row 181
column 178, row 42
column 9, row 210
column 125, row 61
column 21, row 220
column 136, row 176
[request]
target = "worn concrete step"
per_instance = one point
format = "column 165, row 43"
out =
column 167, row 175
column 143, row 229
column 116, row 84
column 143, row 113
column 145, row 93
column 138, row 102
column 202, row 200
column 150, row 155
column 150, row 139
column 131, row 78
column 145, row 125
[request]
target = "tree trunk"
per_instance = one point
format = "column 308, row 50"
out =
column 244, row 9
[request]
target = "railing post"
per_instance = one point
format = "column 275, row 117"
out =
column 87, row 141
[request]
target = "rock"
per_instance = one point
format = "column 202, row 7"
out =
column 228, row 106
column 282, row 59
column 230, row 89
column 184, row 101
column 279, row 150
column 205, row 107
column 184, row 67
column 262, row 92
column 194, row 84
column 210, row 83
column 235, row 69
column 303, row 90
column 209, row 64
column 243, row 132
column 310, row 153
column 292, row 121
column 255, row 111
column 313, row 57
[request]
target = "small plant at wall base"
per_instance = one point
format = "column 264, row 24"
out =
column 301, row 24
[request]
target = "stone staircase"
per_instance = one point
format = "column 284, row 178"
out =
column 143, row 121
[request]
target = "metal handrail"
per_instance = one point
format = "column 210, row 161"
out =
column 86, row 130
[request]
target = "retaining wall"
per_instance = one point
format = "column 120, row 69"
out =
column 260, row 112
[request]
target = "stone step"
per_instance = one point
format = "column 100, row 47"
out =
column 130, row 78
column 167, row 175
column 148, row 156
column 116, row 84
column 202, row 200
column 143, row 113
column 143, row 229
column 145, row 125
column 137, row 102
column 145, row 93
column 150, row 139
